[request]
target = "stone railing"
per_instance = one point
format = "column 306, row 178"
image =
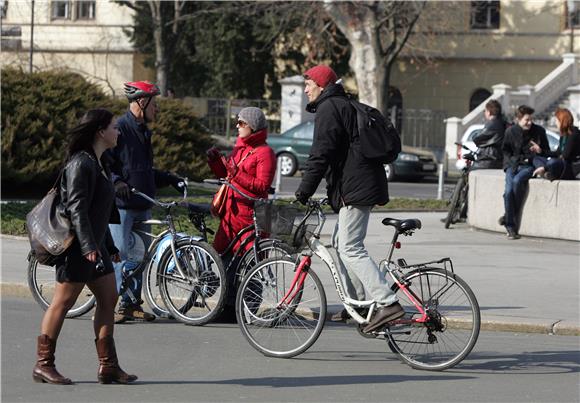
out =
column 550, row 209
column 539, row 97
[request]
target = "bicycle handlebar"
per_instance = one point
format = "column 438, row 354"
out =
column 150, row 199
column 230, row 185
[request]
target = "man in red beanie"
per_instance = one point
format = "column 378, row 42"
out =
column 354, row 186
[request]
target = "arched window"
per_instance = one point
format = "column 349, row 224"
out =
column 478, row 96
column 396, row 102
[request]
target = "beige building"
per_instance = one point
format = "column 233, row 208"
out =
column 485, row 43
column 470, row 47
column 83, row 36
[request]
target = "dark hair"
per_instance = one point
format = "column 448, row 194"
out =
column 83, row 135
column 566, row 120
column 524, row 110
column 493, row 107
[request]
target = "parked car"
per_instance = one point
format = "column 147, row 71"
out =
column 474, row 130
column 293, row 147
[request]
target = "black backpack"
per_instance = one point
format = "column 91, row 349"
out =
column 379, row 139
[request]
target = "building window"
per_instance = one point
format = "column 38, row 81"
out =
column 478, row 97
column 85, row 10
column 484, row 15
column 572, row 14
column 3, row 7
column 61, row 10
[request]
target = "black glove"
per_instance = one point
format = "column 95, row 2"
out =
column 302, row 197
column 175, row 181
column 122, row 190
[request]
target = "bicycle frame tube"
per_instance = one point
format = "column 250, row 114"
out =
column 320, row 250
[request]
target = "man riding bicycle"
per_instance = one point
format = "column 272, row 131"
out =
column 354, row 187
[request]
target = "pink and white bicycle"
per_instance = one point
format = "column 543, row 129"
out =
column 281, row 303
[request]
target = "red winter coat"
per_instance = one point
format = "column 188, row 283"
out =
column 254, row 177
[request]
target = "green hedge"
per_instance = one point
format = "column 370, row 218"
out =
column 39, row 108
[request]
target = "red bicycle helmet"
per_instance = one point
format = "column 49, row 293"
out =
column 140, row 89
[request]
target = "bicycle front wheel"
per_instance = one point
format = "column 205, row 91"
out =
column 274, row 325
column 152, row 290
column 196, row 294
column 454, row 204
column 42, row 283
column 452, row 325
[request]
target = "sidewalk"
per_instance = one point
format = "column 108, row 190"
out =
column 527, row 285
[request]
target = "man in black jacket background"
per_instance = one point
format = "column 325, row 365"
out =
column 354, row 186
column 523, row 141
column 490, row 140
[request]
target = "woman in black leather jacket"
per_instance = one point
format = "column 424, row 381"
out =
column 88, row 196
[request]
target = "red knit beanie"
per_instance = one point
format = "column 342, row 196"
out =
column 321, row 75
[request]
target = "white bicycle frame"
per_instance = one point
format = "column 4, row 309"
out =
column 322, row 252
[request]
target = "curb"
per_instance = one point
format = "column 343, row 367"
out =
column 558, row 328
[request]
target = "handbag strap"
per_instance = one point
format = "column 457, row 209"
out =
column 57, row 182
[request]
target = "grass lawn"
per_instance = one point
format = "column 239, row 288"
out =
column 13, row 214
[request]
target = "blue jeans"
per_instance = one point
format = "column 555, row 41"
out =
column 121, row 234
column 348, row 240
column 516, row 183
column 555, row 166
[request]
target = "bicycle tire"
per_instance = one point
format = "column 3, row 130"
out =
column 452, row 330
column 200, row 297
column 152, row 290
column 41, row 282
column 281, row 332
column 454, row 203
column 269, row 248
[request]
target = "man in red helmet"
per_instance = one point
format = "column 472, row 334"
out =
column 354, row 186
column 132, row 167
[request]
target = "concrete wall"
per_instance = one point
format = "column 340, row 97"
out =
column 551, row 209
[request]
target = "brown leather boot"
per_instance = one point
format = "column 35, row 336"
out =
column 44, row 370
column 109, row 370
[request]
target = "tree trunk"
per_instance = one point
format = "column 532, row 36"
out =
column 358, row 26
column 160, row 55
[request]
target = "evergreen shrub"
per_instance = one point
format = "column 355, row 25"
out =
column 37, row 110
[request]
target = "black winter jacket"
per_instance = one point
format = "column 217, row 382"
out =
column 489, row 142
column 90, row 213
column 351, row 179
column 570, row 154
column 516, row 145
column 132, row 162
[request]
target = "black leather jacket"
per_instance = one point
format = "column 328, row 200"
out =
column 489, row 142
column 90, row 209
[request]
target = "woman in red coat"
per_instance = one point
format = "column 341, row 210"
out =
column 250, row 168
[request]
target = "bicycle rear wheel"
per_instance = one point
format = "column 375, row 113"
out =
column 274, row 328
column 454, row 204
column 42, row 283
column 197, row 296
column 452, row 328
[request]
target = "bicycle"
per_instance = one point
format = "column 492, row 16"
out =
column 42, row 289
column 458, row 201
column 264, row 220
column 442, row 317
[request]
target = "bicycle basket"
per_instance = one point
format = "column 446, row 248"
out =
column 275, row 219
column 304, row 230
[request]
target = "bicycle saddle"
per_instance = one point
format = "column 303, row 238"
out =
column 403, row 225
column 199, row 208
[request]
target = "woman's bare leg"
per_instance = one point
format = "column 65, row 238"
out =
column 65, row 296
column 105, row 291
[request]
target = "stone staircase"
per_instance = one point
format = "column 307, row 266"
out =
column 561, row 87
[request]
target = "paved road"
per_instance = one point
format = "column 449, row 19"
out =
column 178, row 363
column 426, row 189
column 528, row 285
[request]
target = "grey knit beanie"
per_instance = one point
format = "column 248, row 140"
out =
column 254, row 117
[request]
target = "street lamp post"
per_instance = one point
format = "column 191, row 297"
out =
column 571, row 9
column 31, row 50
